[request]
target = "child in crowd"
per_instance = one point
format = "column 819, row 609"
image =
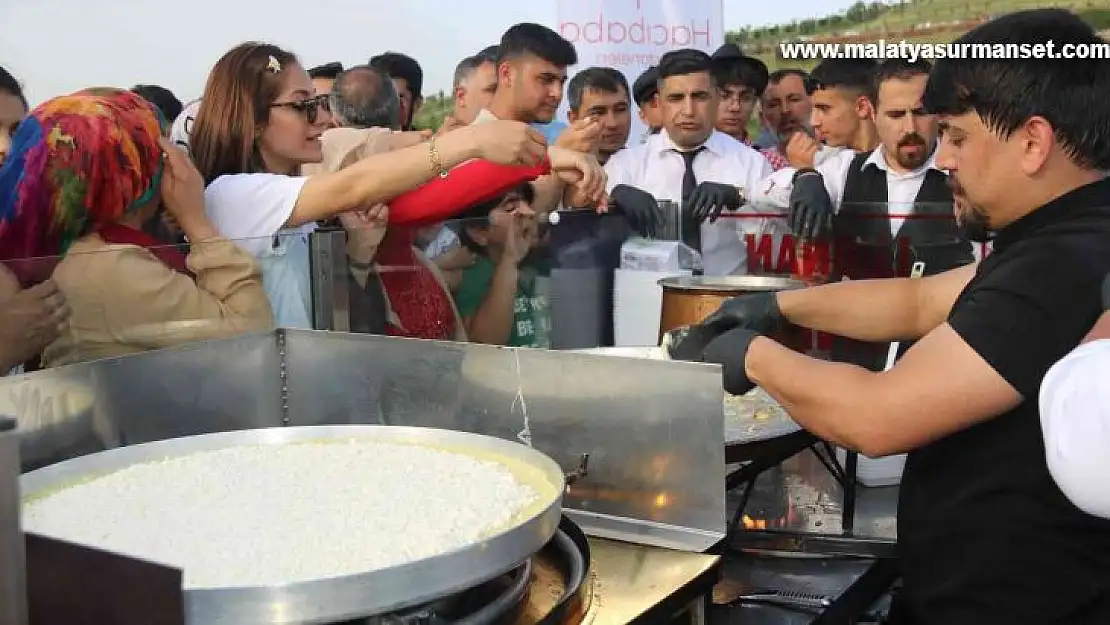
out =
column 499, row 297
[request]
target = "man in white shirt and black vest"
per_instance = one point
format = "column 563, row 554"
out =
column 884, row 210
column 691, row 163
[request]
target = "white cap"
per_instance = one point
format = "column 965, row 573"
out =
column 183, row 125
column 1075, row 419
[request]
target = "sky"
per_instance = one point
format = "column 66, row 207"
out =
column 70, row 44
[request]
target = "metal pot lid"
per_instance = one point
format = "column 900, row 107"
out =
column 730, row 284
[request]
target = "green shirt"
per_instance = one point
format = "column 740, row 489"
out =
column 531, row 316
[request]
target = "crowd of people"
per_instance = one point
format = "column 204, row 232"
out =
column 130, row 221
column 209, row 209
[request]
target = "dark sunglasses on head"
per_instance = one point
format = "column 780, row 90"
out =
column 310, row 107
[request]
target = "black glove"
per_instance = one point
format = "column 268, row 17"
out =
column 638, row 207
column 811, row 209
column 755, row 312
column 1106, row 292
column 730, row 350
column 758, row 312
column 709, row 199
column 688, row 342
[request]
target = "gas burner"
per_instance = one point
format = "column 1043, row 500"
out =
column 551, row 587
column 498, row 601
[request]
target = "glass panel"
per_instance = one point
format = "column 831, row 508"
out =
column 572, row 289
column 124, row 299
column 585, row 281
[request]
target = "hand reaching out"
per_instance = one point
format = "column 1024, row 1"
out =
column 29, row 321
column 365, row 231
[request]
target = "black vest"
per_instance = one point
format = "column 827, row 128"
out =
column 865, row 248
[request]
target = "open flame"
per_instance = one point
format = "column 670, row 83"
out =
column 759, row 523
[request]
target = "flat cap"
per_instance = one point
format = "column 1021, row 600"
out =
column 646, row 86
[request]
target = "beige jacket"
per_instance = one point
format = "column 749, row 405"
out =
column 345, row 146
column 125, row 301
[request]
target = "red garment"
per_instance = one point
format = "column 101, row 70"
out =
column 415, row 295
column 118, row 234
column 777, row 160
column 468, row 184
column 773, row 156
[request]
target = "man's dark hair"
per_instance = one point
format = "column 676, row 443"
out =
column 683, row 63
column 780, row 75
column 364, row 97
column 402, row 66
column 897, row 69
column 1005, row 93
column 161, row 97
column 489, row 53
column 747, row 72
column 8, row 84
column 732, row 67
column 646, row 86
column 537, row 40
column 327, row 70
column 465, row 68
column 604, row 79
column 853, row 75
column 478, row 216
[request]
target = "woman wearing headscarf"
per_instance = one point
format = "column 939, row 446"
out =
column 85, row 172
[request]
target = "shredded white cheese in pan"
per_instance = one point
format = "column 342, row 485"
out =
column 268, row 515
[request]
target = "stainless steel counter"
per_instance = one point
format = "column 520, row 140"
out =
column 637, row 582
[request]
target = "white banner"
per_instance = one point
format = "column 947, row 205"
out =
column 631, row 35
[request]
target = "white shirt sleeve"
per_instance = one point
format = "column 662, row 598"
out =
column 1075, row 419
column 618, row 170
column 773, row 192
column 251, row 208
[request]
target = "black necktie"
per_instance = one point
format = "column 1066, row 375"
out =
column 691, row 229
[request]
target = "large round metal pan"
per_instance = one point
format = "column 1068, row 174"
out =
column 755, row 418
column 374, row 592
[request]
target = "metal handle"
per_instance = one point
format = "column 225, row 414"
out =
column 787, row 599
column 580, row 471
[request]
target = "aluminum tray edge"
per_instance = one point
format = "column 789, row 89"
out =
column 352, row 596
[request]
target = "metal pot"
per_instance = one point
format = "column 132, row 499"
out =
column 688, row 300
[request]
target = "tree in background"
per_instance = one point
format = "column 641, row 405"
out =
column 432, row 112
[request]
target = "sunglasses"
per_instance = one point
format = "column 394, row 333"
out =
column 310, row 107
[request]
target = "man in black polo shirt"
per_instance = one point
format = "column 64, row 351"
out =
column 985, row 535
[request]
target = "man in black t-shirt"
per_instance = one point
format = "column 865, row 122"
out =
column 985, row 535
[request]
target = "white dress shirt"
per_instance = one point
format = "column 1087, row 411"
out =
column 1075, row 419
column 657, row 168
column 773, row 193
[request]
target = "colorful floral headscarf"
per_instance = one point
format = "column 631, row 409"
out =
column 77, row 162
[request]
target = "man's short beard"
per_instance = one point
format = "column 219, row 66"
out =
column 974, row 223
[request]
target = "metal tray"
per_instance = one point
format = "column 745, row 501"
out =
column 741, row 425
column 731, row 284
column 366, row 594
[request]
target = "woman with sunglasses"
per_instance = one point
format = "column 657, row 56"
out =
column 86, row 171
column 260, row 120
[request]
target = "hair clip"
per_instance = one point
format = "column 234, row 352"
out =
column 273, row 65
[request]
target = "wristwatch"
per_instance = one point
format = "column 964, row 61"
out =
column 803, row 171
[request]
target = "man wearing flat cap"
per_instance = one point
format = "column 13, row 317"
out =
column 741, row 80
column 644, row 92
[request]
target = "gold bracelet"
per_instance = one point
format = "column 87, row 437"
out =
column 437, row 162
